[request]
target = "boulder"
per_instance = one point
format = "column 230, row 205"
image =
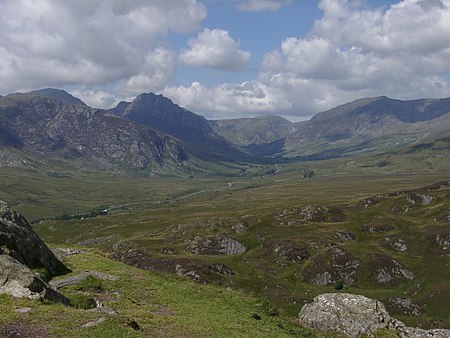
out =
column 351, row 315
column 355, row 315
column 219, row 245
column 21, row 252
column 18, row 240
column 19, row 281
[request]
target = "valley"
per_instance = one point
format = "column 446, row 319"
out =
column 291, row 229
column 283, row 217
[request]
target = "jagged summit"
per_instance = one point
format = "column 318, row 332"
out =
column 162, row 114
column 194, row 131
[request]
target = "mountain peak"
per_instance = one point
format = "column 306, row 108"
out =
column 161, row 113
column 60, row 95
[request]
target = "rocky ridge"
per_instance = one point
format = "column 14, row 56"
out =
column 42, row 126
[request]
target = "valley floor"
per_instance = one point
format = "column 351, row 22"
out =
column 283, row 237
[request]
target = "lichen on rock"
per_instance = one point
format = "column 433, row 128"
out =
column 356, row 315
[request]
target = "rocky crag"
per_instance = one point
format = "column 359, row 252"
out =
column 355, row 315
column 25, row 261
column 42, row 127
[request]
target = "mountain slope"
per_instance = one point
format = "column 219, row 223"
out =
column 377, row 124
column 194, row 131
column 258, row 130
column 44, row 126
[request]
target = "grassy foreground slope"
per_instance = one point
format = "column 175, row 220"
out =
column 148, row 305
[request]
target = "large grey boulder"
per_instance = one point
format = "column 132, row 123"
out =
column 18, row 240
column 354, row 315
column 19, row 281
column 21, row 252
column 348, row 314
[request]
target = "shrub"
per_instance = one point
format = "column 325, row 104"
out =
column 338, row 286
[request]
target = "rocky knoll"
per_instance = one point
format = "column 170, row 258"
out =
column 21, row 252
column 355, row 315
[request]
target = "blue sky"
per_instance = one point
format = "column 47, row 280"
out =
column 256, row 31
column 226, row 59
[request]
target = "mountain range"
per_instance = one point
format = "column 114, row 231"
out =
column 153, row 134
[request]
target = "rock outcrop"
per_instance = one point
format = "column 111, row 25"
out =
column 21, row 252
column 19, row 281
column 334, row 265
column 18, row 240
column 220, row 245
column 354, row 315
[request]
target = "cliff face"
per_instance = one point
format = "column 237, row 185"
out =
column 21, row 252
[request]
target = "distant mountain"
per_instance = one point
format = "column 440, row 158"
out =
column 60, row 95
column 371, row 124
column 258, row 130
column 194, row 131
column 161, row 113
column 46, row 127
column 152, row 132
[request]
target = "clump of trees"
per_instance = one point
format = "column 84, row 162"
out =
column 90, row 214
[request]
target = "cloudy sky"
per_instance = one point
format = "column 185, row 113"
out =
column 228, row 58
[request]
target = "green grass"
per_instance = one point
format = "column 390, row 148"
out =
column 258, row 271
column 161, row 305
column 167, row 212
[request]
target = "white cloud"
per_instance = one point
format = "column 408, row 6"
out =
column 413, row 26
column 354, row 51
column 157, row 68
column 91, row 43
column 97, row 99
column 262, row 5
column 229, row 100
column 112, row 49
column 214, row 49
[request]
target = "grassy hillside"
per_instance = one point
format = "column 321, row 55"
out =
column 147, row 305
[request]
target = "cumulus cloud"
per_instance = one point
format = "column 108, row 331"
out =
column 354, row 51
column 91, row 43
column 214, row 49
column 262, row 5
column 230, row 100
column 112, row 49
column 97, row 99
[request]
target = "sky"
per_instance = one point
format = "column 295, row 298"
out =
column 228, row 58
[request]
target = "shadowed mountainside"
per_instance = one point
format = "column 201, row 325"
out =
column 191, row 129
column 258, row 130
column 375, row 125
